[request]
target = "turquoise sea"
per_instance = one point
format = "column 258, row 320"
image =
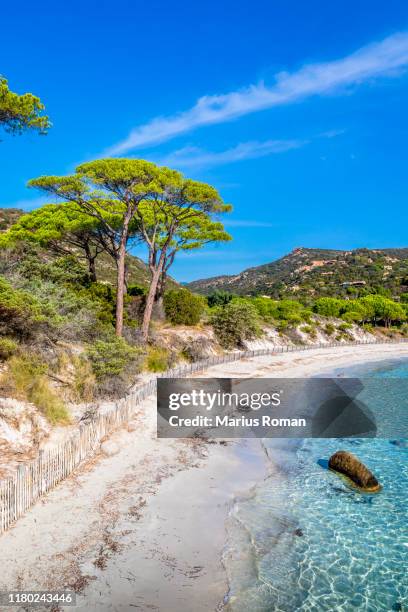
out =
column 304, row 540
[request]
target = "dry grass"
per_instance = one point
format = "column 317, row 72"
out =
column 84, row 382
column 157, row 359
column 26, row 379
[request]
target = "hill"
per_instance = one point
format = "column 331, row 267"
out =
column 311, row 273
column 8, row 216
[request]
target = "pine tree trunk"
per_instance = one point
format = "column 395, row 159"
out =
column 158, row 312
column 150, row 301
column 92, row 269
column 91, row 263
column 161, row 285
column 120, row 285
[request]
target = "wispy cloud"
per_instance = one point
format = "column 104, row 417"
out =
column 385, row 58
column 331, row 133
column 191, row 157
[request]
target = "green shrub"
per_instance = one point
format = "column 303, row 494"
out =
column 24, row 312
column 8, row 347
column 65, row 269
column 288, row 312
column 74, row 314
column 373, row 308
column 19, row 311
column 234, row 323
column 196, row 350
column 309, row 329
column 157, row 359
column 183, row 307
column 219, row 298
column 328, row 306
column 344, row 326
column 266, row 308
column 291, row 311
column 329, row 328
column 136, row 289
column 352, row 316
column 71, row 307
column 100, row 298
column 110, row 357
column 356, row 311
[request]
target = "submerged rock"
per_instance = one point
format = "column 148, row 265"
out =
column 346, row 463
column 400, row 443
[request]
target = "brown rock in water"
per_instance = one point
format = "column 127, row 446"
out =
column 346, row 463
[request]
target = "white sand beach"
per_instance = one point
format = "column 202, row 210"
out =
column 144, row 528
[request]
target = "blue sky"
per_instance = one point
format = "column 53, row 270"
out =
column 295, row 111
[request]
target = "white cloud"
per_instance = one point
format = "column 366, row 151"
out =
column 191, row 157
column 385, row 58
column 331, row 133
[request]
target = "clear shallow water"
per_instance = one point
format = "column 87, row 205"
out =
column 304, row 540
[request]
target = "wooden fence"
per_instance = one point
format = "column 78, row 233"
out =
column 35, row 478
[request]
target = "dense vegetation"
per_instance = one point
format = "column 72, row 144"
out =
column 49, row 310
column 183, row 307
column 236, row 319
column 235, row 322
column 374, row 309
column 306, row 274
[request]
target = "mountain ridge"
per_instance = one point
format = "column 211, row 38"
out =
column 313, row 271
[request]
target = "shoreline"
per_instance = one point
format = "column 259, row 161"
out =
column 183, row 534
column 122, row 521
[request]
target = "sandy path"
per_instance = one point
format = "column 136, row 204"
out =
column 144, row 529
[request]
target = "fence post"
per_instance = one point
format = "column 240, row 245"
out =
column 41, row 472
